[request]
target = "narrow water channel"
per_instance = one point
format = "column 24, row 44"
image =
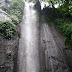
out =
column 28, row 54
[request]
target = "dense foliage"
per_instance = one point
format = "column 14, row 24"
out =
column 9, row 27
column 14, row 19
column 65, row 27
column 62, row 18
column 16, row 8
column 64, row 6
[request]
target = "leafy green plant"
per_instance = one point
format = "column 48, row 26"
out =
column 65, row 27
column 16, row 12
column 65, row 6
column 8, row 28
column 16, row 8
column 14, row 19
column 8, row 33
column 1, row 26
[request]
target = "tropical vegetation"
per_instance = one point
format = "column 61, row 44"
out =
column 62, row 18
column 8, row 28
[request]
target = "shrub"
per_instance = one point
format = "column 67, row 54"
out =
column 1, row 26
column 8, row 33
column 14, row 19
column 65, row 27
column 16, row 8
column 16, row 13
column 8, row 28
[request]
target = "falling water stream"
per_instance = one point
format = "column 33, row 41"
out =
column 38, row 50
column 28, row 54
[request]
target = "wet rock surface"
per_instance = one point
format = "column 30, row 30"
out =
column 60, row 41
column 5, row 4
column 37, row 6
column 8, row 50
column 52, row 49
column 3, row 15
column 68, row 55
column 2, row 3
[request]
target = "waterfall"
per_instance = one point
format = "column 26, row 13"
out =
column 28, row 54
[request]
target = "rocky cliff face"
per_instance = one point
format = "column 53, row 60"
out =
column 3, row 15
column 8, row 48
column 38, row 6
column 2, row 3
column 5, row 4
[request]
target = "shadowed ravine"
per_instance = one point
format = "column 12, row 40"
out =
column 39, row 50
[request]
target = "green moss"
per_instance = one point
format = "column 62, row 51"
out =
column 8, row 56
column 38, row 17
column 44, row 41
column 47, row 19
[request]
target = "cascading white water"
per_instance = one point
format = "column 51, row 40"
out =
column 28, row 55
column 29, row 59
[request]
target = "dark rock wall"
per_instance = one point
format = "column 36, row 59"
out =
column 38, row 6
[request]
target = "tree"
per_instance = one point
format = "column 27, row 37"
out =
column 65, row 6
